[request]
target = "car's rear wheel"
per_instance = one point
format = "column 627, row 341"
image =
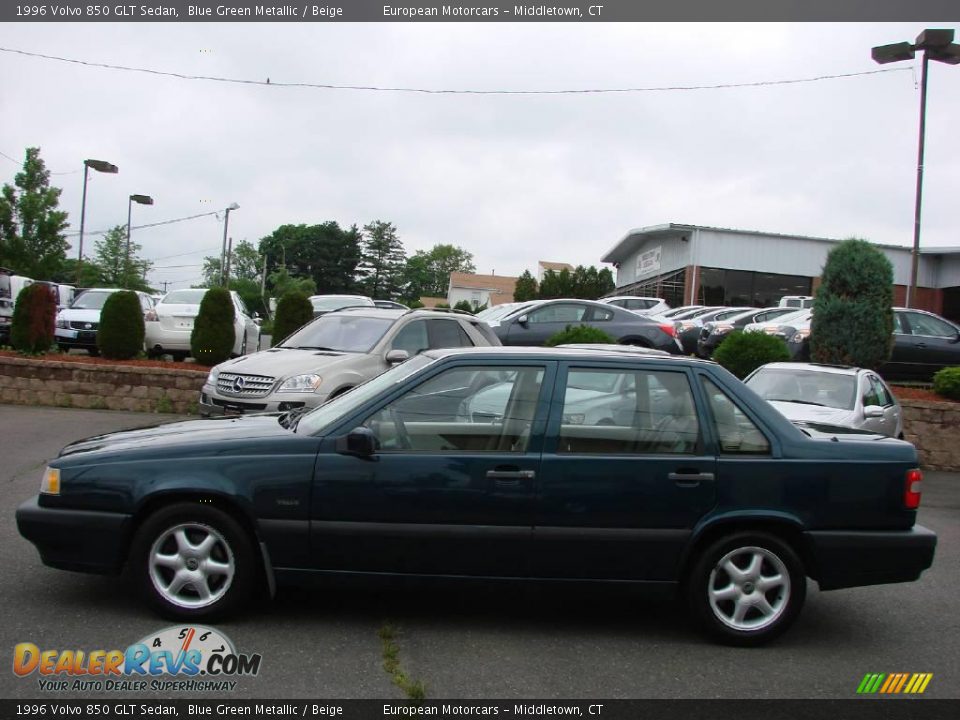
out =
column 193, row 562
column 746, row 588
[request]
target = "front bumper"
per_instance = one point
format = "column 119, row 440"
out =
column 214, row 403
column 75, row 338
column 845, row 558
column 79, row 540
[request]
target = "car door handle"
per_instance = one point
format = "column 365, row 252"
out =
column 511, row 477
column 689, row 479
column 920, row 345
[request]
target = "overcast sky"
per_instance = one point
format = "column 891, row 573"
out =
column 513, row 179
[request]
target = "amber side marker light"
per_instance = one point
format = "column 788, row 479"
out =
column 912, row 489
column 51, row 482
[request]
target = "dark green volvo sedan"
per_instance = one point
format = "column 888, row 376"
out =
column 519, row 463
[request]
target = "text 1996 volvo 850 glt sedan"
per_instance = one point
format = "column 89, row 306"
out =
column 678, row 474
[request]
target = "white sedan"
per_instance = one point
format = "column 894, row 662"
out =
column 170, row 324
column 829, row 395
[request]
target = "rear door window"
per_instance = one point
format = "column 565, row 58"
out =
column 737, row 433
column 447, row 334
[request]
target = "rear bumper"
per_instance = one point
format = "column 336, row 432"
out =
column 843, row 559
column 80, row 540
column 156, row 336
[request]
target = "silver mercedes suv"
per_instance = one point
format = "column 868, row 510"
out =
column 332, row 354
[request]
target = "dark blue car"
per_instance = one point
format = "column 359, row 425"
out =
column 685, row 479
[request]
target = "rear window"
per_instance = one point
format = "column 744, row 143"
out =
column 184, row 297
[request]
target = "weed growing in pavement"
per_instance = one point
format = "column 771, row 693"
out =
column 413, row 689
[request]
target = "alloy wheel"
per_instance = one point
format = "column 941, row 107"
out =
column 191, row 565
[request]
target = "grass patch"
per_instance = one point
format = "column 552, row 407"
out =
column 413, row 689
column 164, row 405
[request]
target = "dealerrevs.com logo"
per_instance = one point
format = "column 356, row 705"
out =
column 178, row 658
column 894, row 683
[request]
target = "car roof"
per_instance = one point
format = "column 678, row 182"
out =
column 823, row 367
column 559, row 353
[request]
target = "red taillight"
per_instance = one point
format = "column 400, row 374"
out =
column 669, row 329
column 151, row 316
column 911, row 489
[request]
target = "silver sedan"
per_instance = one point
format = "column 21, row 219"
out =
column 829, row 395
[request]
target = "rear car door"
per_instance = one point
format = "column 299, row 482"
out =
column 620, row 489
column 445, row 494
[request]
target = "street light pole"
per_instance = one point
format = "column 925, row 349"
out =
column 937, row 45
column 101, row 166
column 141, row 200
column 223, row 251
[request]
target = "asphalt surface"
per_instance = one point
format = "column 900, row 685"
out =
column 484, row 641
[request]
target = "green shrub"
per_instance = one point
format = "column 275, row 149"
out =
column 579, row 334
column 464, row 305
column 33, row 320
column 120, row 335
column 743, row 352
column 946, row 383
column 213, row 336
column 414, row 304
column 293, row 312
column 853, row 310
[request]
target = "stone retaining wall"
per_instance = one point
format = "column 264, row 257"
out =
column 934, row 427
column 26, row 381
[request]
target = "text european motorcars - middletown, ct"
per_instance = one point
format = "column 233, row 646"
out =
column 690, row 481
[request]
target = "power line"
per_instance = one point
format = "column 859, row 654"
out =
column 428, row 91
column 150, row 225
column 68, row 172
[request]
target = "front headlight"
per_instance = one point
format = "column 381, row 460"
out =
column 50, row 485
column 301, row 384
column 800, row 336
column 63, row 323
column 213, row 376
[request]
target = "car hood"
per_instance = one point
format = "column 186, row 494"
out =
column 153, row 440
column 799, row 412
column 78, row 315
column 284, row 362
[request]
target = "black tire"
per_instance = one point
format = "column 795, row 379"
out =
column 231, row 546
column 761, row 622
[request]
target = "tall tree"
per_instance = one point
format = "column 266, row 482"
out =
column 428, row 271
column 245, row 264
column 382, row 261
column 526, row 288
column 116, row 267
column 325, row 253
column 31, row 227
column 605, row 282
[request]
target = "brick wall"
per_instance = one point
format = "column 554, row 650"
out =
column 934, row 428
column 26, row 381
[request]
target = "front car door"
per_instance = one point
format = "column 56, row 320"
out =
column 935, row 343
column 449, row 490
column 620, row 490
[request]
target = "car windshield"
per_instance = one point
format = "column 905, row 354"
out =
column 343, row 332
column 91, row 300
column 318, row 421
column 805, row 387
column 326, row 304
column 788, row 317
column 184, row 297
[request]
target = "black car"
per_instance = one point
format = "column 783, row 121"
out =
column 923, row 343
column 715, row 332
column 536, row 325
column 498, row 463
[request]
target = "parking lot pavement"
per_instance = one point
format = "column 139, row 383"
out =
column 489, row 641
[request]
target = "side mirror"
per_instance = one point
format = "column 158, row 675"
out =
column 360, row 442
column 523, row 319
column 256, row 315
column 395, row 357
column 956, row 337
column 873, row 411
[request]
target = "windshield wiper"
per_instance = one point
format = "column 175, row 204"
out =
column 290, row 418
column 799, row 402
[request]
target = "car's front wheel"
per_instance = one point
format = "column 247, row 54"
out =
column 746, row 588
column 193, row 561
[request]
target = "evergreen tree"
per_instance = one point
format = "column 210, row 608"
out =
column 526, row 288
column 116, row 268
column 31, row 227
column 382, row 261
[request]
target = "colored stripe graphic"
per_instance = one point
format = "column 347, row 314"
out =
column 894, row 683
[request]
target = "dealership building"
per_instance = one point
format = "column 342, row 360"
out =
column 694, row 264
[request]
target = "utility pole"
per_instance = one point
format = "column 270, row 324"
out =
column 226, row 269
column 263, row 286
